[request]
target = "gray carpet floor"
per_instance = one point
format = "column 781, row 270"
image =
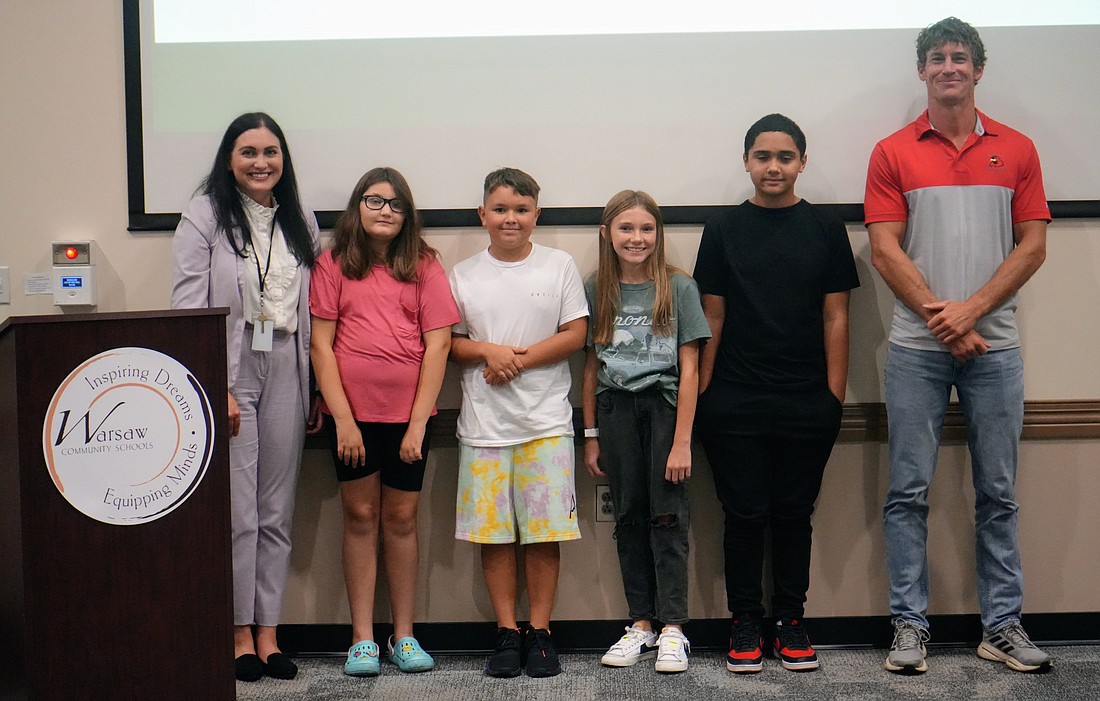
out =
column 845, row 675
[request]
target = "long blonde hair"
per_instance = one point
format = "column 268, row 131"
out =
column 609, row 271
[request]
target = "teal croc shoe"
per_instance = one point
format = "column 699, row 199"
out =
column 363, row 660
column 407, row 654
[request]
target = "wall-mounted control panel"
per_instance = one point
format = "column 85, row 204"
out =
column 73, row 274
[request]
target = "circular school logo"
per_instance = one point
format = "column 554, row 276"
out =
column 128, row 436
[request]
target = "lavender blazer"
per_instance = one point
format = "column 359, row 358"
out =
column 207, row 273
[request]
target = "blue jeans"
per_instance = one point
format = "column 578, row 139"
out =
column 991, row 392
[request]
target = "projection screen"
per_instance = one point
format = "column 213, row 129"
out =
column 590, row 98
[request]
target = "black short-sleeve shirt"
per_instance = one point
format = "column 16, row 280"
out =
column 774, row 267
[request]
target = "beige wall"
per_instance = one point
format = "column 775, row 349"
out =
column 63, row 175
column 1057, row 485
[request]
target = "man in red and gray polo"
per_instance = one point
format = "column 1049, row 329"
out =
column 957, row 219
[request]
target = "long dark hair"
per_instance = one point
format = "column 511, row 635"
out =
column 351, row 247
column 221, row 186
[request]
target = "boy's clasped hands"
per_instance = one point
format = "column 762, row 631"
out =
column 502, row 364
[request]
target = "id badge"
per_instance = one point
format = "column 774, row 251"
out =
column 263, row 331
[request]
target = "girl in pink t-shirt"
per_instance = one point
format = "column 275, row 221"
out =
column 382, row 313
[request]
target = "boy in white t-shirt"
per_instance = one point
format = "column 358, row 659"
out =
column 523, row 314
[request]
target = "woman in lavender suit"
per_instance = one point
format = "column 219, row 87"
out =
column 246, row 243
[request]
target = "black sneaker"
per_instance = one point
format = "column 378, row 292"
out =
column 792, row 646
column 505, row 660
column 745, row 654
column 542, row 657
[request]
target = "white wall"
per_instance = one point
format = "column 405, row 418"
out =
column 63, row 175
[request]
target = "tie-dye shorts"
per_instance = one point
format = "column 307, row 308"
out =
column 526, row 488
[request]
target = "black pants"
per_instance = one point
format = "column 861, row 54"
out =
column 651, row 513
column 767, row 455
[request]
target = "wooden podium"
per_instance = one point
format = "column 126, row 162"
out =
column 94, row 610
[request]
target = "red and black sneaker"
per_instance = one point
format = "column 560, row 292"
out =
column 745, row 654
column 792, row 646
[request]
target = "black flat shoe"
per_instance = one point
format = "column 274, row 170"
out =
column 279, row 666
column 249, row 668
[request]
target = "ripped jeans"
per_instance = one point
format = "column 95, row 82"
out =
column 651, row 513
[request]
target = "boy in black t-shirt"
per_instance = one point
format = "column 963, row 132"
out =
column 775, row 274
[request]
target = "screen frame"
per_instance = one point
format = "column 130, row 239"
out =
column 139, row 220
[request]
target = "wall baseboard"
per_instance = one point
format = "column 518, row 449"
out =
column 1044, row 419
column 707, row 634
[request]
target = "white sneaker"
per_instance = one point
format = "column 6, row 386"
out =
column 672, row 651
column 636, row 645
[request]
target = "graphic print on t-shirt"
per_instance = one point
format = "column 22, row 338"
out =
column 634, row 346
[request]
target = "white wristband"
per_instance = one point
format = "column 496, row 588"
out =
column 591, row 433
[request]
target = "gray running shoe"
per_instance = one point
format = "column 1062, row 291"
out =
column 1011, row 645
column 907, row 651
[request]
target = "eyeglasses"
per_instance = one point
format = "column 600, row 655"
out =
column 377, row 202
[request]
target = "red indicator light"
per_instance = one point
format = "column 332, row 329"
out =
column 71, row 253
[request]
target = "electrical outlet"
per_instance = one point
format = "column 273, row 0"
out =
column 5, row 284
column 605, row 510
